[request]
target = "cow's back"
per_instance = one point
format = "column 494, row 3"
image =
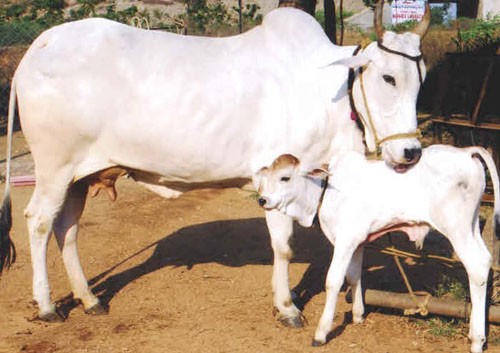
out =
column 188, row 108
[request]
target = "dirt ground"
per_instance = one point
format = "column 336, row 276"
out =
column 194, row 275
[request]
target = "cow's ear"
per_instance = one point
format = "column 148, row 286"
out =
column 353, row 61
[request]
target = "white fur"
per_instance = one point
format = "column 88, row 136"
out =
column 442, row 191
column 182, row 110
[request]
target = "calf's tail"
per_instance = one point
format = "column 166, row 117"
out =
column 7, row 248
column 490, row 165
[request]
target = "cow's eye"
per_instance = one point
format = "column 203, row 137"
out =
column 285, row 179
column 389, row 79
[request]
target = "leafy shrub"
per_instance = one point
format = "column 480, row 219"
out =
column 19, row 32
column 439, row 13
column 479, row 36
column 249, row 14
column 451, row 288
column 202, row 15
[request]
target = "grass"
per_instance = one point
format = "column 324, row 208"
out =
column 451, row 288
column 444, row 327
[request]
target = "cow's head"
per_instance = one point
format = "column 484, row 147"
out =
column 387, row 79
column 290, row 188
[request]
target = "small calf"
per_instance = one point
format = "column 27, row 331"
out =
column 362, row 200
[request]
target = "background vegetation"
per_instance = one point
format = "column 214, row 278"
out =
column 22, row 21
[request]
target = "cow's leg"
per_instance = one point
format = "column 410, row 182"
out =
column 281, row 229
column 353, row 277
column 342, row 257
column 477, row 261
column 66, row 232
column 43, row 208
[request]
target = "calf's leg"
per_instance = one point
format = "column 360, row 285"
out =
column 281, row 229
column 477, row 261
column 342, row 256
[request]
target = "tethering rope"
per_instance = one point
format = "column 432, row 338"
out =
column 378, row 142
column 420, row 307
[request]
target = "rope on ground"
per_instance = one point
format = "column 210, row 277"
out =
column 420, row 308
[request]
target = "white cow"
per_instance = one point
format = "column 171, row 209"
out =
column 362, row 200
column 98, row 99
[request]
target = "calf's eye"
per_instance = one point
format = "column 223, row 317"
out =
column 285, row 179
column 389, row 79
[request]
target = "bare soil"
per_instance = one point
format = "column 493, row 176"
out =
column 194, row 275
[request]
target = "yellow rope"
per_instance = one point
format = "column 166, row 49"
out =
column 420, row 308
column 378, row 142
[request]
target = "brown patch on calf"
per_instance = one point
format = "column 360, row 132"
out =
column 285, row 160
column 105, row 179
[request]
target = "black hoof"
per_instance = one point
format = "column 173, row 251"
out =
column 292, row 322
column 97, row 309
column 51, row 317
column 317, row 343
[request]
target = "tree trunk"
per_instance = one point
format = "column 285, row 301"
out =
column 308, row 6
column 330, row 25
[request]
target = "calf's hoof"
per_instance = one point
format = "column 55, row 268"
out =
column 316, row 343
column 97, row 309
column 358, row 320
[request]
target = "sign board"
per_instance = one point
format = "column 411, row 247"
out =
column 407, row 10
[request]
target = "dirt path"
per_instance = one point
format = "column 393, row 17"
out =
column 193, row 275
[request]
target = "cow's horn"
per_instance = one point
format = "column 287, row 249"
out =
column 378, row 19
column 422, row 28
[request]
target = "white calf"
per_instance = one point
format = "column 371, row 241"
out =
column 364, row 199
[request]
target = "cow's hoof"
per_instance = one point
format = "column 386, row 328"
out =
column 51, row 317
column 316, row 343
column 293, row 322
column 97, row 309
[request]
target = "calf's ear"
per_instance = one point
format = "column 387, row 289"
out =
column 262, row 171
column 319, row 173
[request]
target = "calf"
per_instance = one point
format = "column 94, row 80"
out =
column 362, row 200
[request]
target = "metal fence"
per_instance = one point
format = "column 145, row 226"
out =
column 14, row 41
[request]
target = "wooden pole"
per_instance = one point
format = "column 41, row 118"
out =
column 330, row 25
column 240, row 16
column 439, row 306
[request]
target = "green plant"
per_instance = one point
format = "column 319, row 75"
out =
column 249, row 14
column 202, row 15
column 439, row 13
column 402, row 27
column 88, row 8
column 451, row 288
column 444, row 327
column 481, row 36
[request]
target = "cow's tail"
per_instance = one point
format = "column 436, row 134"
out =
column 7, row 248
column 490, row 165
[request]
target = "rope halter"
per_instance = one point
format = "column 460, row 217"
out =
column 368, row 122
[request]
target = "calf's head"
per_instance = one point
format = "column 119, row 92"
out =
column 288, row 187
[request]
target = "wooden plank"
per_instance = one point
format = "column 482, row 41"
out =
column 466, row 123
column 482, row 93
column 439, row 306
